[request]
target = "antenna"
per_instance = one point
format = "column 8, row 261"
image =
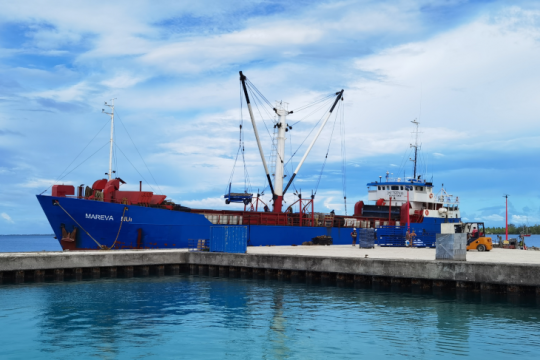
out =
column 111, row 114
column 415, row 146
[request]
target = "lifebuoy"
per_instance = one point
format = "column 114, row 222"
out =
column 431, row 196
column 427, row 212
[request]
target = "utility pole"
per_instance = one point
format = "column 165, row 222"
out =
column 506, row 196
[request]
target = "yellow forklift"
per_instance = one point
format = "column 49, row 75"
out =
column 476, row 236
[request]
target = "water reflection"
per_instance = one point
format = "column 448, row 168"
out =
column 184, row 316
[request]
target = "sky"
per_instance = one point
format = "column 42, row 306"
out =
column 466, row 70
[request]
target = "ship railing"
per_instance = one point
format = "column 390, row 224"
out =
column 198, row 245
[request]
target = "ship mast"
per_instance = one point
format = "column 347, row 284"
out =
column 277, row 190
column 111, row 114
column 282, row 112
column 243, row 80
column 339, row 96
column 415, row 146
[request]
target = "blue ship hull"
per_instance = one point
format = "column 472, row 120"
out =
column 163, row 229
column 160, row 228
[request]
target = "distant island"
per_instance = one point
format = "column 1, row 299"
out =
column 27, row 235
column 513, row 229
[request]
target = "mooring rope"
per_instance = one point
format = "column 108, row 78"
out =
column 102, row 247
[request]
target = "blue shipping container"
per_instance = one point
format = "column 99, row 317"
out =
column 229, row 239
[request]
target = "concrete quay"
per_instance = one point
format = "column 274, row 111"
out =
column 520, row 273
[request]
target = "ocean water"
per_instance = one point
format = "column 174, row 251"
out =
column 201, row 317
column 23, row 243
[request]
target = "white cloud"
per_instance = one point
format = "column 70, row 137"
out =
column 494, row 217
column 438, row 155
column 7, row 218
column 123, row 81
column 77, row 92
column 37, row 183
column 457, row 78
column 523, row 219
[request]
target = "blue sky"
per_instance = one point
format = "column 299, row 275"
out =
column 468, row 70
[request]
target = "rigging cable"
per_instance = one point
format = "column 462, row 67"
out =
column 314, row 127
column 258, row 92
column 327, row 151
column 323, row 104
column 82, row 162
column 61, row 176
column 241, row 148
column 149, row 184
column 321, row 99
column 343, row 155
column 136, row 148
column 292, row 167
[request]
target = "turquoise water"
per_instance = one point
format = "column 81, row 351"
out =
column 200, row 317
column 187, row 317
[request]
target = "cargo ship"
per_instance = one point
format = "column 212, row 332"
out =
column 103, row 216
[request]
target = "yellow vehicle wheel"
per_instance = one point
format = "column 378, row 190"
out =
column 481, row 247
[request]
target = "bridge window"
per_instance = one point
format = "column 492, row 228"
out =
column 379, row 187
column 421, row 188
column 401, row 187
column 395, row 187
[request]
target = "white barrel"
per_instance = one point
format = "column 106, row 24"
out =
column 214, row 219
column 240, row 220
column 385, row 223
column 398, row 223
column 233, row 220
column 377, row 223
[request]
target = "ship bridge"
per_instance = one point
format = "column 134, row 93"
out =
column 421, row 197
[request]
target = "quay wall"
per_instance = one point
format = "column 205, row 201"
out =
column 456, row 272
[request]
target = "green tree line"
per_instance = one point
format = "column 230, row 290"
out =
column 513, row 229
